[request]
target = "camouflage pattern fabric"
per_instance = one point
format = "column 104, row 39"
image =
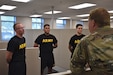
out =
column 96, row 50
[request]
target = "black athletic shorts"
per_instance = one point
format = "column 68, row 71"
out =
column 47, row 61
column 17, row 68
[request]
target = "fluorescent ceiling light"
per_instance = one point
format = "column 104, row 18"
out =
column 64, row 18
column 35, row 15
column 7, row 7
column 111, row 11
column 25, row 1
column 83, row 15
column 1, row 12
column 84, row 20
column 81, row 6
column 54, row 12
column 111, row 17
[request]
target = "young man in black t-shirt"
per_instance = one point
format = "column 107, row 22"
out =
column 46, row 43
column 15, row 54
column 75, row 39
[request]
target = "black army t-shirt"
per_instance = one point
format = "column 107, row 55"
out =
column 46, row 43
column 75, row 40
column 17, row 46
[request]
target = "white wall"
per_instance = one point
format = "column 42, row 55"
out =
column 111, row 24
column 27, row 22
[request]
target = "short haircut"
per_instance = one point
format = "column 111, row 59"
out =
column 14, row 26
column 46, row 25
column 78, row 25
column 100, row 16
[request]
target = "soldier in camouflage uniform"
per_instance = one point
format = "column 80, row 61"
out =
column 95, row 51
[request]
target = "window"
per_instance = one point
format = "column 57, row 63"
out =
column 60, row 24
column 7, row 23
column 37, row 23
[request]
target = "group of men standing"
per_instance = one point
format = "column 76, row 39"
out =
column 46, row 42
column 85, row 49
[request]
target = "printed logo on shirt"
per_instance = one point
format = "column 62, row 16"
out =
column 22, row 46
column 47, row 40
column 77, row 41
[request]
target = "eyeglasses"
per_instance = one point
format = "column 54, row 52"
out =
column 20, row 28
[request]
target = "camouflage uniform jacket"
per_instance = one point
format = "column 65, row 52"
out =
column 95, row 49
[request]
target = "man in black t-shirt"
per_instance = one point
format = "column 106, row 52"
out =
column 46, row 43
column 75, row 39
column 15, row 54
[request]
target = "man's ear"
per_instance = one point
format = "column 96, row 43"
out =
column 94, row 24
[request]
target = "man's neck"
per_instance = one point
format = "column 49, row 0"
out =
column 46, row 33
column 78, row 34
column 20, row 36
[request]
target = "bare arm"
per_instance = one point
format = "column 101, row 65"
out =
column 9, row 56
column 35, row 45
column 55, row 45
column 70, row 48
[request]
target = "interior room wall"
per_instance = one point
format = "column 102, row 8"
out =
column 67, row 26
column 27, row 22
column 111, row 24
column 70, row 23
column 51, row 22
column 3, row 64
column 3, row 45
column 85, row 25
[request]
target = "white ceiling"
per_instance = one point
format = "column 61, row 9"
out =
column 41, row 6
